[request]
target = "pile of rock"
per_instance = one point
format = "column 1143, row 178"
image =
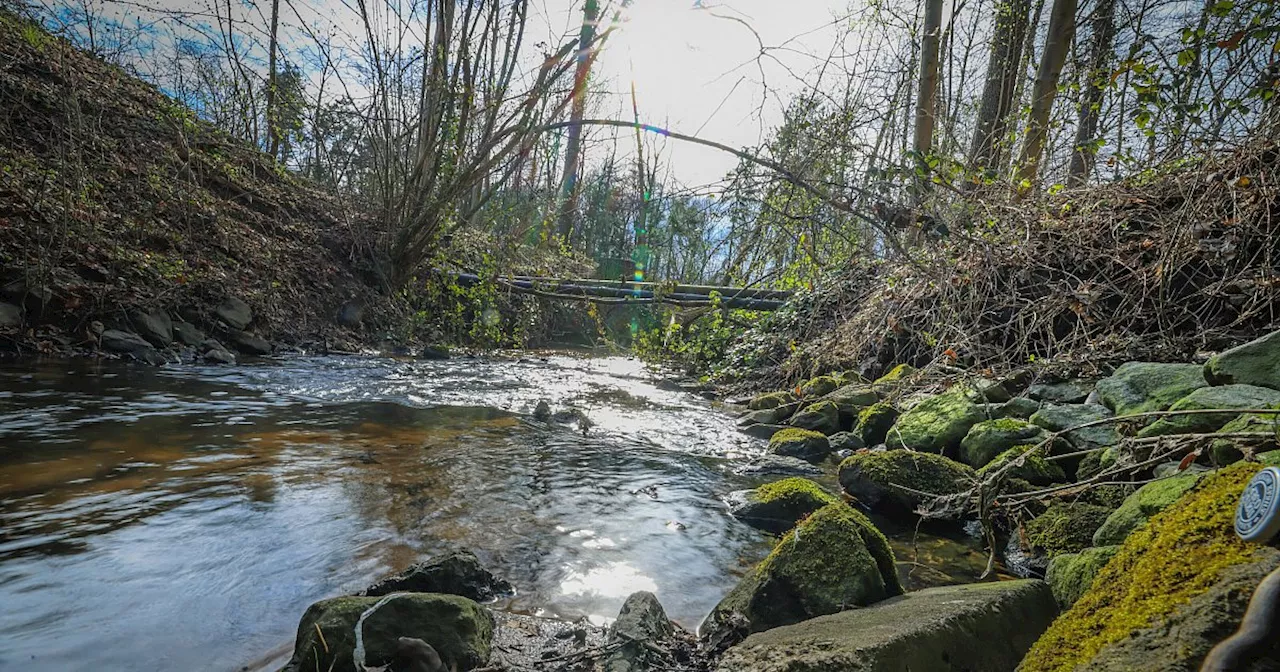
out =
column 155, row 337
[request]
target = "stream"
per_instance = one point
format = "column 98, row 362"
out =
column 183, row 518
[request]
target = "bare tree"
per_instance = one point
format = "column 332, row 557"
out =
column 926, row 97
column 1096, row 77
column 573, row 148
column 1062, row 28
column 1003, row 68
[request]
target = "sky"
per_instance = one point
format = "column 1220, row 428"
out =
column 696, row 70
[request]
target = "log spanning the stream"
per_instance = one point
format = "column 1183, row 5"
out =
column 620, row 291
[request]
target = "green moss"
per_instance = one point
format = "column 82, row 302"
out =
column 1065, row 527
column 895, row 375
column 897, row 477
column 819, row 386
column 1071, row 574
column 1227, row 451
column 1149, row 500
column 795, row 434
column 827, row 558
column 874, row 422
column 795, row 488
column 1140, row 387
column 937, row 424
column 805, row 444
column 1034, row 469
column 1211, row 398
column 990, row 438
column 771, row 400
column 1178, row 555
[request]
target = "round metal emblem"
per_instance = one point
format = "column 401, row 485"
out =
column 1256, row 515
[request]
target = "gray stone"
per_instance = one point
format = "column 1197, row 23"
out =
column 434, row 352
column 1254, row 363
column 802, row 443
column 1056, row 418
column 981, row 626
column 1141, row 387
column 351, row 313
column 1017, row 407
column 456, row 627
column 989, row 438
column 124, row 342
column 153, row 325
column 10, row 315
column 845, row 441
column 187, row 333
column 762, row 431
column 454, row 572
column 235, row 312
column 1070, row 392
column 249, row 344
column 823, row 416
column 219, row 356
column 1237, row 397
column 642, row 624
column 769, row 416
column 776, row 465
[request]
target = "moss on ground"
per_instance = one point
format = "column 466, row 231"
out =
column 795, row 488
column 1178, row 555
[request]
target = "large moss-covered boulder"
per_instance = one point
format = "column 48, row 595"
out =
column 1071, row 574
column 893, row 480
column 1060, row 417
column 874, row 422
column 937, row 424
column 980, row 626
column 1209, row 398
column 1141, row 387
column 1254, row 363
column 459, row 629
column 1149, row 500
column 771, row 400
column 835, row 560
column 989, row 438
column 805, row 444
column 823, row 416
column 819, row 386
column 1177, row 587
column 777, row 507
column 1065, row 527
column 1034, row 468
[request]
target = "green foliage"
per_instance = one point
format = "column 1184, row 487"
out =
column 699, row 347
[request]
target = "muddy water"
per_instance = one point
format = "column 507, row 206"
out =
column 183, row 518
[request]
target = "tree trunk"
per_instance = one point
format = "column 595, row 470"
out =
column 1003, row 69
column 926, row 98
column 1104, row 33
column 1062, row 26
column 273, row 128
column 569, row 183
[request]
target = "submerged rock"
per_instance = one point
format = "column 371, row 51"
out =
column 779, row 465
column 1071, row 574
column 777, row 507
column 457, row 628
column 981, row 626
column 1142, row 387
column 1209, row 398
column 892, row 480
column 1178, row 586
column 1254, row 363
column 802, row 443
column 990, row 438
column 835, row 560
column 1149, row 500
column 456, row 572
column 937, row 424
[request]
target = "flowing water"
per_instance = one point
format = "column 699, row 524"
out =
column 183, row 518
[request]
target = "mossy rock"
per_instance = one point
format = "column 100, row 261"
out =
column 823, row 416
column 1177, row 587
column 845, row 441
column 895, row 376
column 1227, row 451
column 820, row 386
column 1209, row 398
column 777, row 507
column 937, row 424
column 875, row 421
column 1142, row 387
column 834, row 560
column 771, row 400
column 1035, row 469
column 1060, row 417
column 849, row 378
column 989, row 438
column 891, row 480
column 1071, row 574
column 459, row 629
column 1254, row 363
column 1067, row 392
column 802, row 443
column 1020, row 408
column 850, row 400
column 1065, row 527
column 984, row 627
column 1149, row 500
